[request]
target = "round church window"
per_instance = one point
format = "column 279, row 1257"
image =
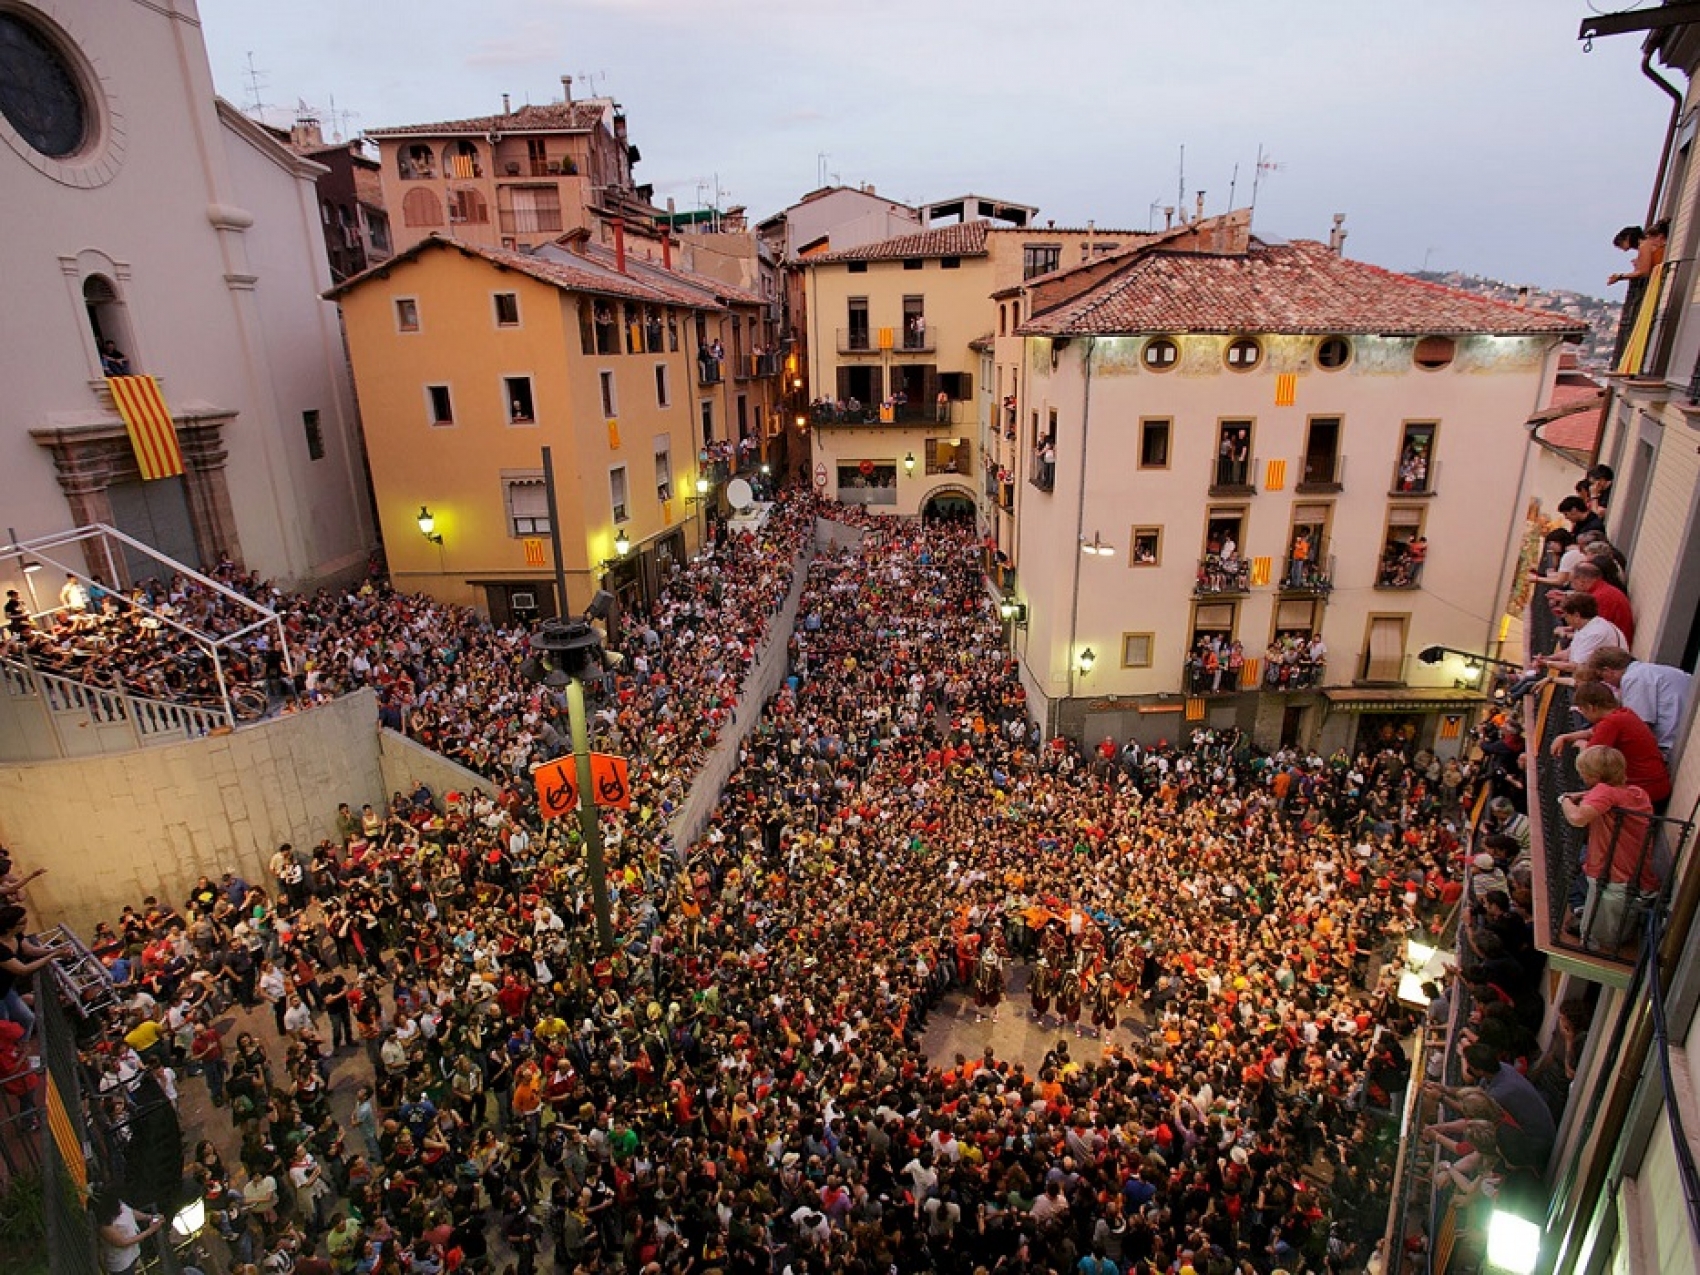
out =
column 41, row 95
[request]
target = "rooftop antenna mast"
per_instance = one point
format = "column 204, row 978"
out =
column 1264, row 165
column 1233, row 182
column 339, row 120
column 820, row 168
column 1180, row 184
column 256, row 81
column 590, row 77
column 1151, row 215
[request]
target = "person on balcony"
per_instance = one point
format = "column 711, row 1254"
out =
column 113, row 361
column 1611, row 725
column 1613, row 603
column 1587, row 630
column 1619, row 860
column 1298, row 567
column 1656, row 693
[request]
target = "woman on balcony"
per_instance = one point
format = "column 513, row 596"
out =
column 1619, row 862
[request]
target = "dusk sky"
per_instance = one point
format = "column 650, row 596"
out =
column 1475, row 136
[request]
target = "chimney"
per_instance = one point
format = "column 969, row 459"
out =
column 507, row 106
column 1199, row 216
column 1523, row 297
column 868, row 189
column 1169, row 217
column 1337, row 236
column 567, row 89
column 620, row 245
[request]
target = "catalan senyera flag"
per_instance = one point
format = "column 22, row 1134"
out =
column 1286, row 389
column 1260, row 570
column 1195, row 709
column 1251, row 674
column 1275, row 475
column 149, row 424
column 533, row 551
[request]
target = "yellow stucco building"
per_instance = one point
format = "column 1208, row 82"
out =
column 469, row 360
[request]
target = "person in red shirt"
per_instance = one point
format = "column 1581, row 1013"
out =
column 1612, row 601
column 1610, row 725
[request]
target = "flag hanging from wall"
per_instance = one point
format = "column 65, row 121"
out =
column 1286, row 389
column 148, row 421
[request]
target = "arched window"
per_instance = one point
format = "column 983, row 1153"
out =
column 468, row 206
column 110, row 324
column 416, row 162
column 421, row 208
column 460, row 159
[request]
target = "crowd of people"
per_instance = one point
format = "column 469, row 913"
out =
column 450, row 1074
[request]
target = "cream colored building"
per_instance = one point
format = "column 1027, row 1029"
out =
column 896, row 333
column 1263, row 445
column 145, row 211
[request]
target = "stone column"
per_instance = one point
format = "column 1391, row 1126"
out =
column 210, row 514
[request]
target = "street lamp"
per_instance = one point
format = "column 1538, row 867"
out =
column 909, row 463
column 622, row 543
column 428, row 525
column 1086, row 660
column 561, row 651
column 1096, row 546
column 1015, row 615
column 700, row 500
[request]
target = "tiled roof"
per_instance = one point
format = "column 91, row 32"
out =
column 556, row 117
column 1300, row 288
column 961, row 239
column 1576, row 431
column 569, row 271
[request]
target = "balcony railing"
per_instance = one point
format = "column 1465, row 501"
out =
column 752, row 366
column 1233, row 477
column 1217, row 574
column 709, row 372
column 867, row 495
column 1042, row 473
column 902, row 340
column 887, row 414
column 1321, row 473
column 1293, row 673
column 1399, row 571
column 1312, row 575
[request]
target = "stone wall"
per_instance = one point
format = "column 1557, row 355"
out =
column 405, row 763
column 112, row 830
column 764, row 678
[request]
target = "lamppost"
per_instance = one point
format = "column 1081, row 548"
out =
column 561, row 651
column 1015, row 615
column 699, row 500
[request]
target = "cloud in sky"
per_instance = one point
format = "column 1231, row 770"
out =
column 1478, row 135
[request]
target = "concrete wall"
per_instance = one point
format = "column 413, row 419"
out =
column 111, row 830
column 763, row 679
column 404, row 764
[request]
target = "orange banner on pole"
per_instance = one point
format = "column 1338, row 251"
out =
column 610, row 780
column 148, row 421
column 557, row 784
column 557, row 787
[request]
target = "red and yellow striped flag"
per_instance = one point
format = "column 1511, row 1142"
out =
column 1286, row 389
column 148, row 421
column 1275, row 475
column 1195, row 709
column 1251, row 673
column 1260, row 571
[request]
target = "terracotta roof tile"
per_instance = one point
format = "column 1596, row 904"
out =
column 1299, row 288
column 1576, row 431
column 570, row 271
column 960, row 239
column 555, row 117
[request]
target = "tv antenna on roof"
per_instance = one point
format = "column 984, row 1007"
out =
column 256, row 81
column 339, row 120
column 820, row 168
column 1264, row 165
column 591, row 77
